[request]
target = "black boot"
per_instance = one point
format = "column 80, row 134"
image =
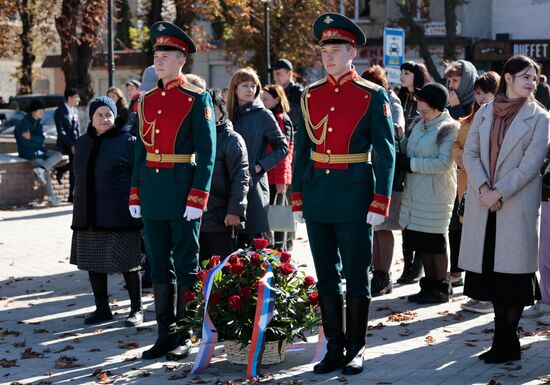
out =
column 495, row 346
column 440, row 293
column 357, row 316
column 183, row 337
column 416, row 270
column 165, row 309
column 332, row 312
column 133, row 285
column 508, row 346
column 102, row 312
column 381, row 283
column 426, row 285
column 408, row 256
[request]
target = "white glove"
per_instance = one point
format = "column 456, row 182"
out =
column 299, row 216
column 192, row 213
column 135, row 211
column 375, row 219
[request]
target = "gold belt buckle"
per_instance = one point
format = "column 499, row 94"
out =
column 326, row 158
column 158, row 157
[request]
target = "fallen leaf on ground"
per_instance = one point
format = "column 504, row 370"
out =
column 342, row 379
column 498, row 375
column 40, row 331
column 458, row 317
column 5, row 363
column 44, row 382
column 94, row 350
column 198, row 380
column 472, row 344
column 128, row 345
column 29, row 353
column 144, row 329
column 177, row 376
column 445, row 312
column 169, row 368
column 406, row 333
column 430, row 340
column 545, row 379
column 487, row 330
column 65, row 362
column 97, row 331
column 544, row 333
column 67, row 347
column 9, row 332
column 379, row 325
column 383, row 382
column 144, row 373
column 101, row 375
column 401, row 316
column 134, row 358
column 510, row 367
column 494, row 382
column 69, row 334
column 49, row 374
column 20, row 344
column 76, row 340
column 383, row 308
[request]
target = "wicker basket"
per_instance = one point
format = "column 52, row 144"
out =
column 238, row 356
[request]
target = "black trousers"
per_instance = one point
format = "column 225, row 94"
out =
column 219, row 243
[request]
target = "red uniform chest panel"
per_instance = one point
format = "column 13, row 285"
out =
column 345, row 105
column 163, row 114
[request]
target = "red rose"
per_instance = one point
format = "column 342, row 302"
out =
column 255, row 285
column 215, row 260
column 238, row 268
column 246, row 292
column 314, row 299
column 189, row 296
column 309, row 281
column 256, row 259
column 285, row 257
column 233, row 259
column 214, row 298
column 200, row 274
column 286, row 269
column 235, row 302
column 260, row 243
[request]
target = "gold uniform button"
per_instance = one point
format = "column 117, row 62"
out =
column 327, row 172
column 157, row 170
column 332, row 108
column 157, row 131
column 330, row 129
column 190, row 99
column 163, row 93
column 336, row 90
column 157, row 151
column 308, row 95
column 159, row 112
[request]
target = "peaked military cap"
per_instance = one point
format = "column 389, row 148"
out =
column 168, row 37
column 333, row 27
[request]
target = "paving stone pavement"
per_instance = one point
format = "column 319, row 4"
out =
column 43, row 300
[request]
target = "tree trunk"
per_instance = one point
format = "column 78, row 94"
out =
column 449, row 48
column 418, row 37
column 27, row 55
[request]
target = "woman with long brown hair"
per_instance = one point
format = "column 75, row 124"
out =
column 259, row 128
column 117, row 96
column 503, row 156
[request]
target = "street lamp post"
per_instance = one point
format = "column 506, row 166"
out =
column 267, row 75
column 110, row 58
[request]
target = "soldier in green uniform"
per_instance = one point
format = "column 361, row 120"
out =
column 171, row 179
column 338, row 191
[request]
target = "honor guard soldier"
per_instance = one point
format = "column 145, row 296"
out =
column 336, row 188
column 171, row 179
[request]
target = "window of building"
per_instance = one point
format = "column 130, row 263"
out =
column 360, row 10
column 420, row 9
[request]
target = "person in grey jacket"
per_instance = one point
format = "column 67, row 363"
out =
column 430, row 190
column 258, row 127
column 230, row 183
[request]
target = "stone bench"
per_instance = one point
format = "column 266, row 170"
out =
column 19, row 187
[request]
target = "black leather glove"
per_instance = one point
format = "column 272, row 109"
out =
column 403, row 162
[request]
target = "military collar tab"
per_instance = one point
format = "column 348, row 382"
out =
column 350, row 75
column 177, row 82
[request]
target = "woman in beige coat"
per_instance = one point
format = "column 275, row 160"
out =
column 503, row 155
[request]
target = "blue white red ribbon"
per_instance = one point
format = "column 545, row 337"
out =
column 264, row 313
column 209, row 332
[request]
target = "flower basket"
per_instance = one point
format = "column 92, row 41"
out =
column 238, row 355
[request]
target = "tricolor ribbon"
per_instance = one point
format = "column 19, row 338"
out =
column 320, row 347
column 264, row 313
column 209, row 332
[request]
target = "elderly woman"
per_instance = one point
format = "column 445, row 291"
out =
column 503, row 156
column 430, row 190
column 106, row 238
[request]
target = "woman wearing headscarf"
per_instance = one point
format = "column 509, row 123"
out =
column 106, row 238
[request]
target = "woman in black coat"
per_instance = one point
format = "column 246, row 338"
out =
column 106, row 238
column 258, row 127
column 230, row 182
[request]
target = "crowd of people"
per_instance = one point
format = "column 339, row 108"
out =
column 459, row 171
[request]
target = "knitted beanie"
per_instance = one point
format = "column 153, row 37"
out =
column 435, row 95
column 101, row 101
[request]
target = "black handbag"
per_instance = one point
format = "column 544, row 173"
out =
column 461, row 206
column 398, row 174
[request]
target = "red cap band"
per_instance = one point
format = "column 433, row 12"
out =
column 169, row 41
column 339, row 34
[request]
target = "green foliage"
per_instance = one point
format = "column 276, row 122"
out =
column 123, row 25
column 234, row 296
column 139, row 37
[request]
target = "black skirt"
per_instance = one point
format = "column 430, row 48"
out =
column 502, row 288
column 424, row 242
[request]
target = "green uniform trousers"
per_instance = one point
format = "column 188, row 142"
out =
column 172, row 250
column 341, row 246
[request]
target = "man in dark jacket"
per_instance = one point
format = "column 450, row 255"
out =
column 30, row 145
column 283, row 75
column 542, row 93
column 67, row 123
column 230, row 182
